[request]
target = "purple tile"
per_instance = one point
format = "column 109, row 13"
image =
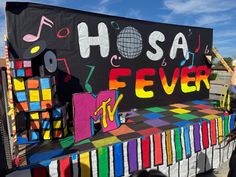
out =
column 157, row 122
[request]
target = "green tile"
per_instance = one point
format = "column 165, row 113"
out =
column 69, row 141
column 82, row 142
column 186, row 116
column 156, row 109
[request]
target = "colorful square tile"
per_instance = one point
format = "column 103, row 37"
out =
column 202, row 106
column 28, row 72
column 179, row 105
column 180, row 111
column 46, row 94
column 56, row 113
column 57, row 124
column 156, row 109
column 34, row 106
column 57, row 134
column 21, row 96
column 35, row 135
column 22, row 106
column 210, row 111
column 123, row 129
column 46, row 104
column 157, row 122
column 149, row 131
column 186, row 116
column 46, row 124
column 18, row 64
column 34, row 125
column 183, row 123
column 33, row 84
column 211, row 116
column 152, row 115
column 19, row 84
column 200, row 102
column 45, row 115
column 34, row 115
column 46, row 134
column 34, row 95
column 45, row 83
column 20, row 73
column 105, row 141
column 27, row 63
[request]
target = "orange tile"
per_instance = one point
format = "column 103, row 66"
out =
column 179, row 105
column 210, row 111
column 34, row 125
column 123, row 129
column 45, row 115
column 23, row 106
column 33, row 84
column 46, row 104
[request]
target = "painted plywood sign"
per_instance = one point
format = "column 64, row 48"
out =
column 149, row 63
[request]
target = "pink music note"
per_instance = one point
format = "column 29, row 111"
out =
column 68, row 77
column 115, row 57
column 32, row 37
column 199, row 45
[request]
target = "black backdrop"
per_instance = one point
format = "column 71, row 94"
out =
column 24, row 18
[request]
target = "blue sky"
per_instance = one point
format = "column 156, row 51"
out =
column 217, row 14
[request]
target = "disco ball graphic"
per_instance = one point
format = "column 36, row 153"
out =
column 129, row 43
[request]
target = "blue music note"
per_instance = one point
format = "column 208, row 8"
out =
column 182, row 63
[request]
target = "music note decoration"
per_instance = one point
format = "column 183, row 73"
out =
column 32, row 37
column 34, row 50
column 199, row 44
column 88, row 87
column 115, row 57
column 206, row 50
column 68, row 77
column 63, row 33
column 163, row 62
column 184, row 60
column 190, row 32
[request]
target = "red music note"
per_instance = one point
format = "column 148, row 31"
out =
column 32, row 37
column 68, row 77
column 199, row 44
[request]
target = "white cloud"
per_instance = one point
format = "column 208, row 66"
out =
column 226, row 34
column 199, row 6
column 104, row 2
column 102, row 7
column 212, row 19
column 134, row 13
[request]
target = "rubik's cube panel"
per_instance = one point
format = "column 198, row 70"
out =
column 39, row 126
column 34, row 94
column 21, row 68
column 59, row 122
